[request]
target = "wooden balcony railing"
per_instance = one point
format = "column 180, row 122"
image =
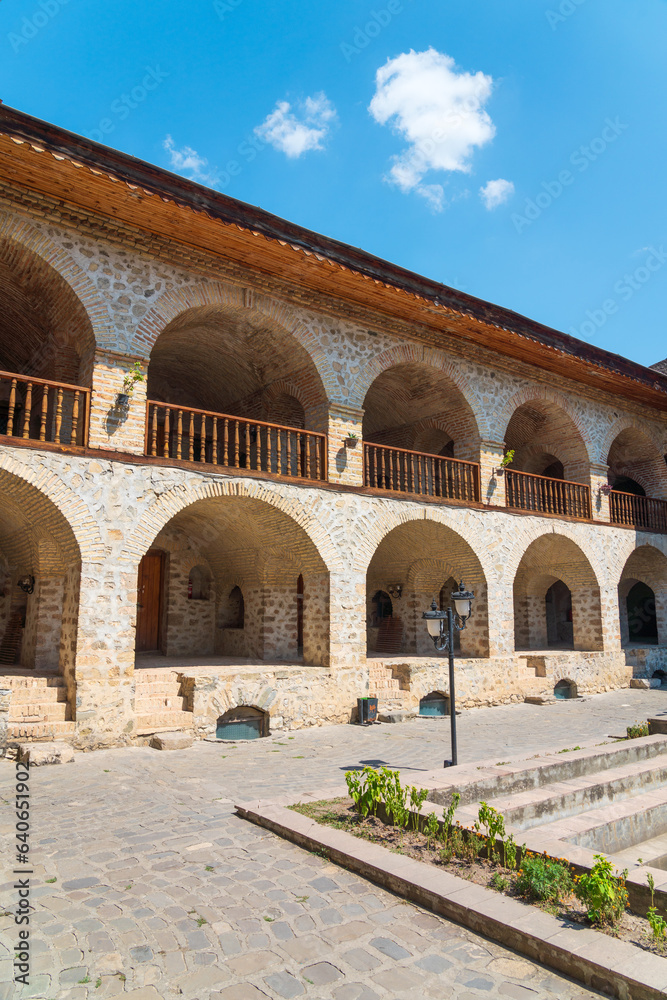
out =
column 525, row 491
column 35, row 409
column 234, row 442
column 638, row 512
column 417, row 472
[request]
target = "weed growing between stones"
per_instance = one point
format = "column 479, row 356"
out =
column 639, row 729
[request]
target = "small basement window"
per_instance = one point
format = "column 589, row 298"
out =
column 242, row 723
column 434, row 704
column 565, row 689
column 199, row 584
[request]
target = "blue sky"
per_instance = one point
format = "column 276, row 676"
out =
column 383, row 124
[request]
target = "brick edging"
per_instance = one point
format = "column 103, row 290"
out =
column 592, row 958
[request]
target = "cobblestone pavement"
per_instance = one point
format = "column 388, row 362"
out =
column 161, row 891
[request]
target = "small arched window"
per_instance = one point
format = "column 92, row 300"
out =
column 236, row 609
column 199, row 584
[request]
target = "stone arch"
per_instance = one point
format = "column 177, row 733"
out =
column 403, row 556
column 412, row 392
column 169, row 504
column 250, row 536
column 646, row 565
column 19, row 236
column 539, row 415
column 550, row 559
column 210, row 295
column 633, row 453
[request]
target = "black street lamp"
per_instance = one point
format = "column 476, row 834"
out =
column 443, row 638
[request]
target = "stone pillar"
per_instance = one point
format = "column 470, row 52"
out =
column 501, row 612
column 105, row 640
column 599, row 501
column 45, row 610
column 613, row 611
column 346, row 465
column 112, row 426
column 347, row 620
column 492, row 483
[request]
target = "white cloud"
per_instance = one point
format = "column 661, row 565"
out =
column 187, row 161
column 438, row 110
column 496, row 193
column 295, row 135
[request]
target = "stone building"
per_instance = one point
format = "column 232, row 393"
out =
column 238, row 460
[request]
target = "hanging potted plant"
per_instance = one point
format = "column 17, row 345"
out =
column 507, row 459
column 351, row 440
column 134, row 375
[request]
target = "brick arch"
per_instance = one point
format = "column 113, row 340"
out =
column 542, row 393
column 76, row 527
column 623, row 424
column 173, row 303
column 27, row 236
column 409, row 354
column 165, row 508
column 373, row 533
column 648, row 564
column 524, row 540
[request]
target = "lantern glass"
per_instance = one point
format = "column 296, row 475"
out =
column 462, row 607
column 433, row 626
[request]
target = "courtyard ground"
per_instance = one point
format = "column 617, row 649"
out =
column 161, row 891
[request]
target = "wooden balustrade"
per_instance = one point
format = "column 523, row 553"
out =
column 35, row 409
column 525, row 491
column 189, row 435
column 418, row 472
column 638, row 512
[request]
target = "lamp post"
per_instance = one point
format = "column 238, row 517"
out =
column 443, row 638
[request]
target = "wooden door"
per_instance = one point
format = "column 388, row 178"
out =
column 149, row 602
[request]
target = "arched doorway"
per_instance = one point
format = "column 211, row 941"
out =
column 636, row 465
column 404, row 565
column 642, row 598
column 256, row 563
column 642, row 621
column 557, row 600
column 547, row 442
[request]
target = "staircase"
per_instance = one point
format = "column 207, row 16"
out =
column 386, row 688
column 159, row 705
column 11, row 640
column 533, row 677
column 389, row 637
column 38, row 709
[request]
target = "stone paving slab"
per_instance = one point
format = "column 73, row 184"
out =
column 182, row 888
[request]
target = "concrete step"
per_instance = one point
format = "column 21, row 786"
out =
column 164, row 719
column 38, row 695
column 40, row 730
column 173, row 703
column 18, row 682
column 45, row 712
column 143, row 676
column 157, row 690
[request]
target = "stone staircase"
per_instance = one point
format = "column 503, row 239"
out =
column 533, row 678
column 159, row 705
column 38, row 709
column 386, row 688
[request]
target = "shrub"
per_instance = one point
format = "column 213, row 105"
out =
column 639, row 729
column 544, row 879
column 603, row 892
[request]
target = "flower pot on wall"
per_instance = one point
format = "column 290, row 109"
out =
column 351, row 442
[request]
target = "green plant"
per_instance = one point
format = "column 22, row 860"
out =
column 431, row 829
column 657, row 923
column 543, row 878
column 568, row 749
column 417, row 800
column 448, row 815
column 98, row 982
column 208, row 868
column 603, row 892
column 499, row 882
column 507, row 458
column 639, row 729
column 51, row 880
column 86, row 979
column 494, row 824
column 134, row 375
column 365, row 788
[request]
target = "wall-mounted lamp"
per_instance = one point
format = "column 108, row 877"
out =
column 395, row 590
column 27, row 584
